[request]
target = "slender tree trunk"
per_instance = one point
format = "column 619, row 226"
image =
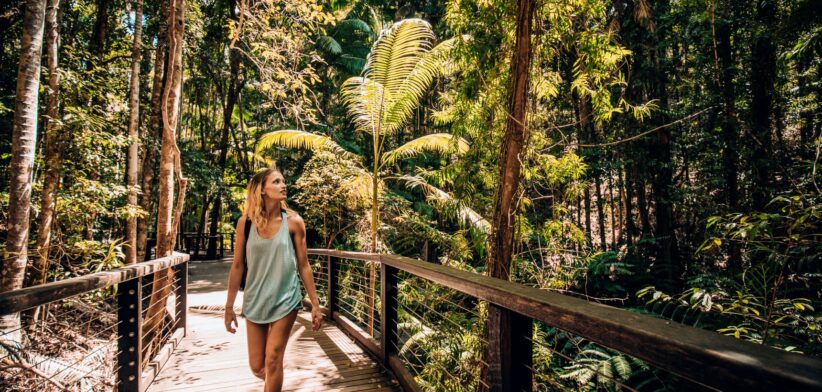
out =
column 642, row 206
column 54, row 145
column 24, row 136
column 99, row 33
column 506, row 196
column 231, row 100
column 133, row 122
column 730, row 133
column 630, row 225
column 600, row 212
column 168, row 215
column 588, row 212
column 155, row 132
column 614, row 206
column 763, row 75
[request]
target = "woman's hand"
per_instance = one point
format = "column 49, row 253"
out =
column 230, row 318
column 316, row 318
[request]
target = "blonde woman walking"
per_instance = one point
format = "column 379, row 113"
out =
column 267, row 264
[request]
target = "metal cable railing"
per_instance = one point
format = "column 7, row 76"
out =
column 359, row 294
column 446, row 329
column 97, row 332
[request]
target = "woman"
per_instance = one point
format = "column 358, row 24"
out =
column 272, row 291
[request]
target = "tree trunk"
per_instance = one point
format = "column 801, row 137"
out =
column 54, row 145
column 506, row 197
column 600, row 212
column 630, row 225
column 133, row 117
column 169, row 165
column 730, row 132
column 763, row 74
column 228, row 110
column 99, row 33
column 24, row 137
column 642, row 205
column 155, row 129
column 614, row 206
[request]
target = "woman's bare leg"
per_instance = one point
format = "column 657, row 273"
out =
column 257, row 335
column 278, row 333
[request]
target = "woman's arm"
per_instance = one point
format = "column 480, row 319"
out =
column 235, row 275
column 297, row 224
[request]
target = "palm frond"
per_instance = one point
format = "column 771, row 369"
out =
column 298, row 139
column 260, row 159
column 352, row 64
column 363, row 98
column 360, row 187
column 466, row 216
column 352, row 26
column 417, row 338
column 397, row 51
column 407, row 97
column 329, row 45
column 436, row 142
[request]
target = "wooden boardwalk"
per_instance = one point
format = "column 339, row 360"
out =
column 211, row 359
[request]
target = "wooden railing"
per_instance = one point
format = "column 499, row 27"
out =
column 197, row 245
column 125, row 305
column 698, row 358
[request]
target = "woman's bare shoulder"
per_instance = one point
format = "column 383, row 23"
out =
column 294, row 218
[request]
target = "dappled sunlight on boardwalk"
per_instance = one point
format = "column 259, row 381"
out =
column 210, row 359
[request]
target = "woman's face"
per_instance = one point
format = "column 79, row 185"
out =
column 274, row 187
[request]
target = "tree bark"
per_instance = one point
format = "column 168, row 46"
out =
column 506, row 197
column 630, row 225
column 99, row 33
column 763, row 75
column 603, row 245
column 24, row 137
column 54, row 145
column 730, row 128
column 133, row 121
column 169, row 153
column 168, row 215
column 228, row 110
column 155, row 128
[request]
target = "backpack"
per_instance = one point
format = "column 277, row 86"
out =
column 245, row 255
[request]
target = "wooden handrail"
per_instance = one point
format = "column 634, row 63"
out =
column 131, row 374
column 704, row 357
column 30, row 297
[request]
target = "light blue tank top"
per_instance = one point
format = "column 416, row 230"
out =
column 272, row 288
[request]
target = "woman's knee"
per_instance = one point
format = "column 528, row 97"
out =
column 258, row 368
column 274, row 359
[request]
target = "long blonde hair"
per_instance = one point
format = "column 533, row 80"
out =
column 254, row 206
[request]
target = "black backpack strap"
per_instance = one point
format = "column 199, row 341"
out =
column 247, row 231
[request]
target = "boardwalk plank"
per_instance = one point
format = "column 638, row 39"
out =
column 209, row 359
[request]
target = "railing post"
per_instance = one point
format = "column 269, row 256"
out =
column 388, row 320
column 129, row 342
column 222, row 245
column 181, row 295
column 510, row 352
column 332, row 287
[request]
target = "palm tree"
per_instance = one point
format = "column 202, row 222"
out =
column 399, row 69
